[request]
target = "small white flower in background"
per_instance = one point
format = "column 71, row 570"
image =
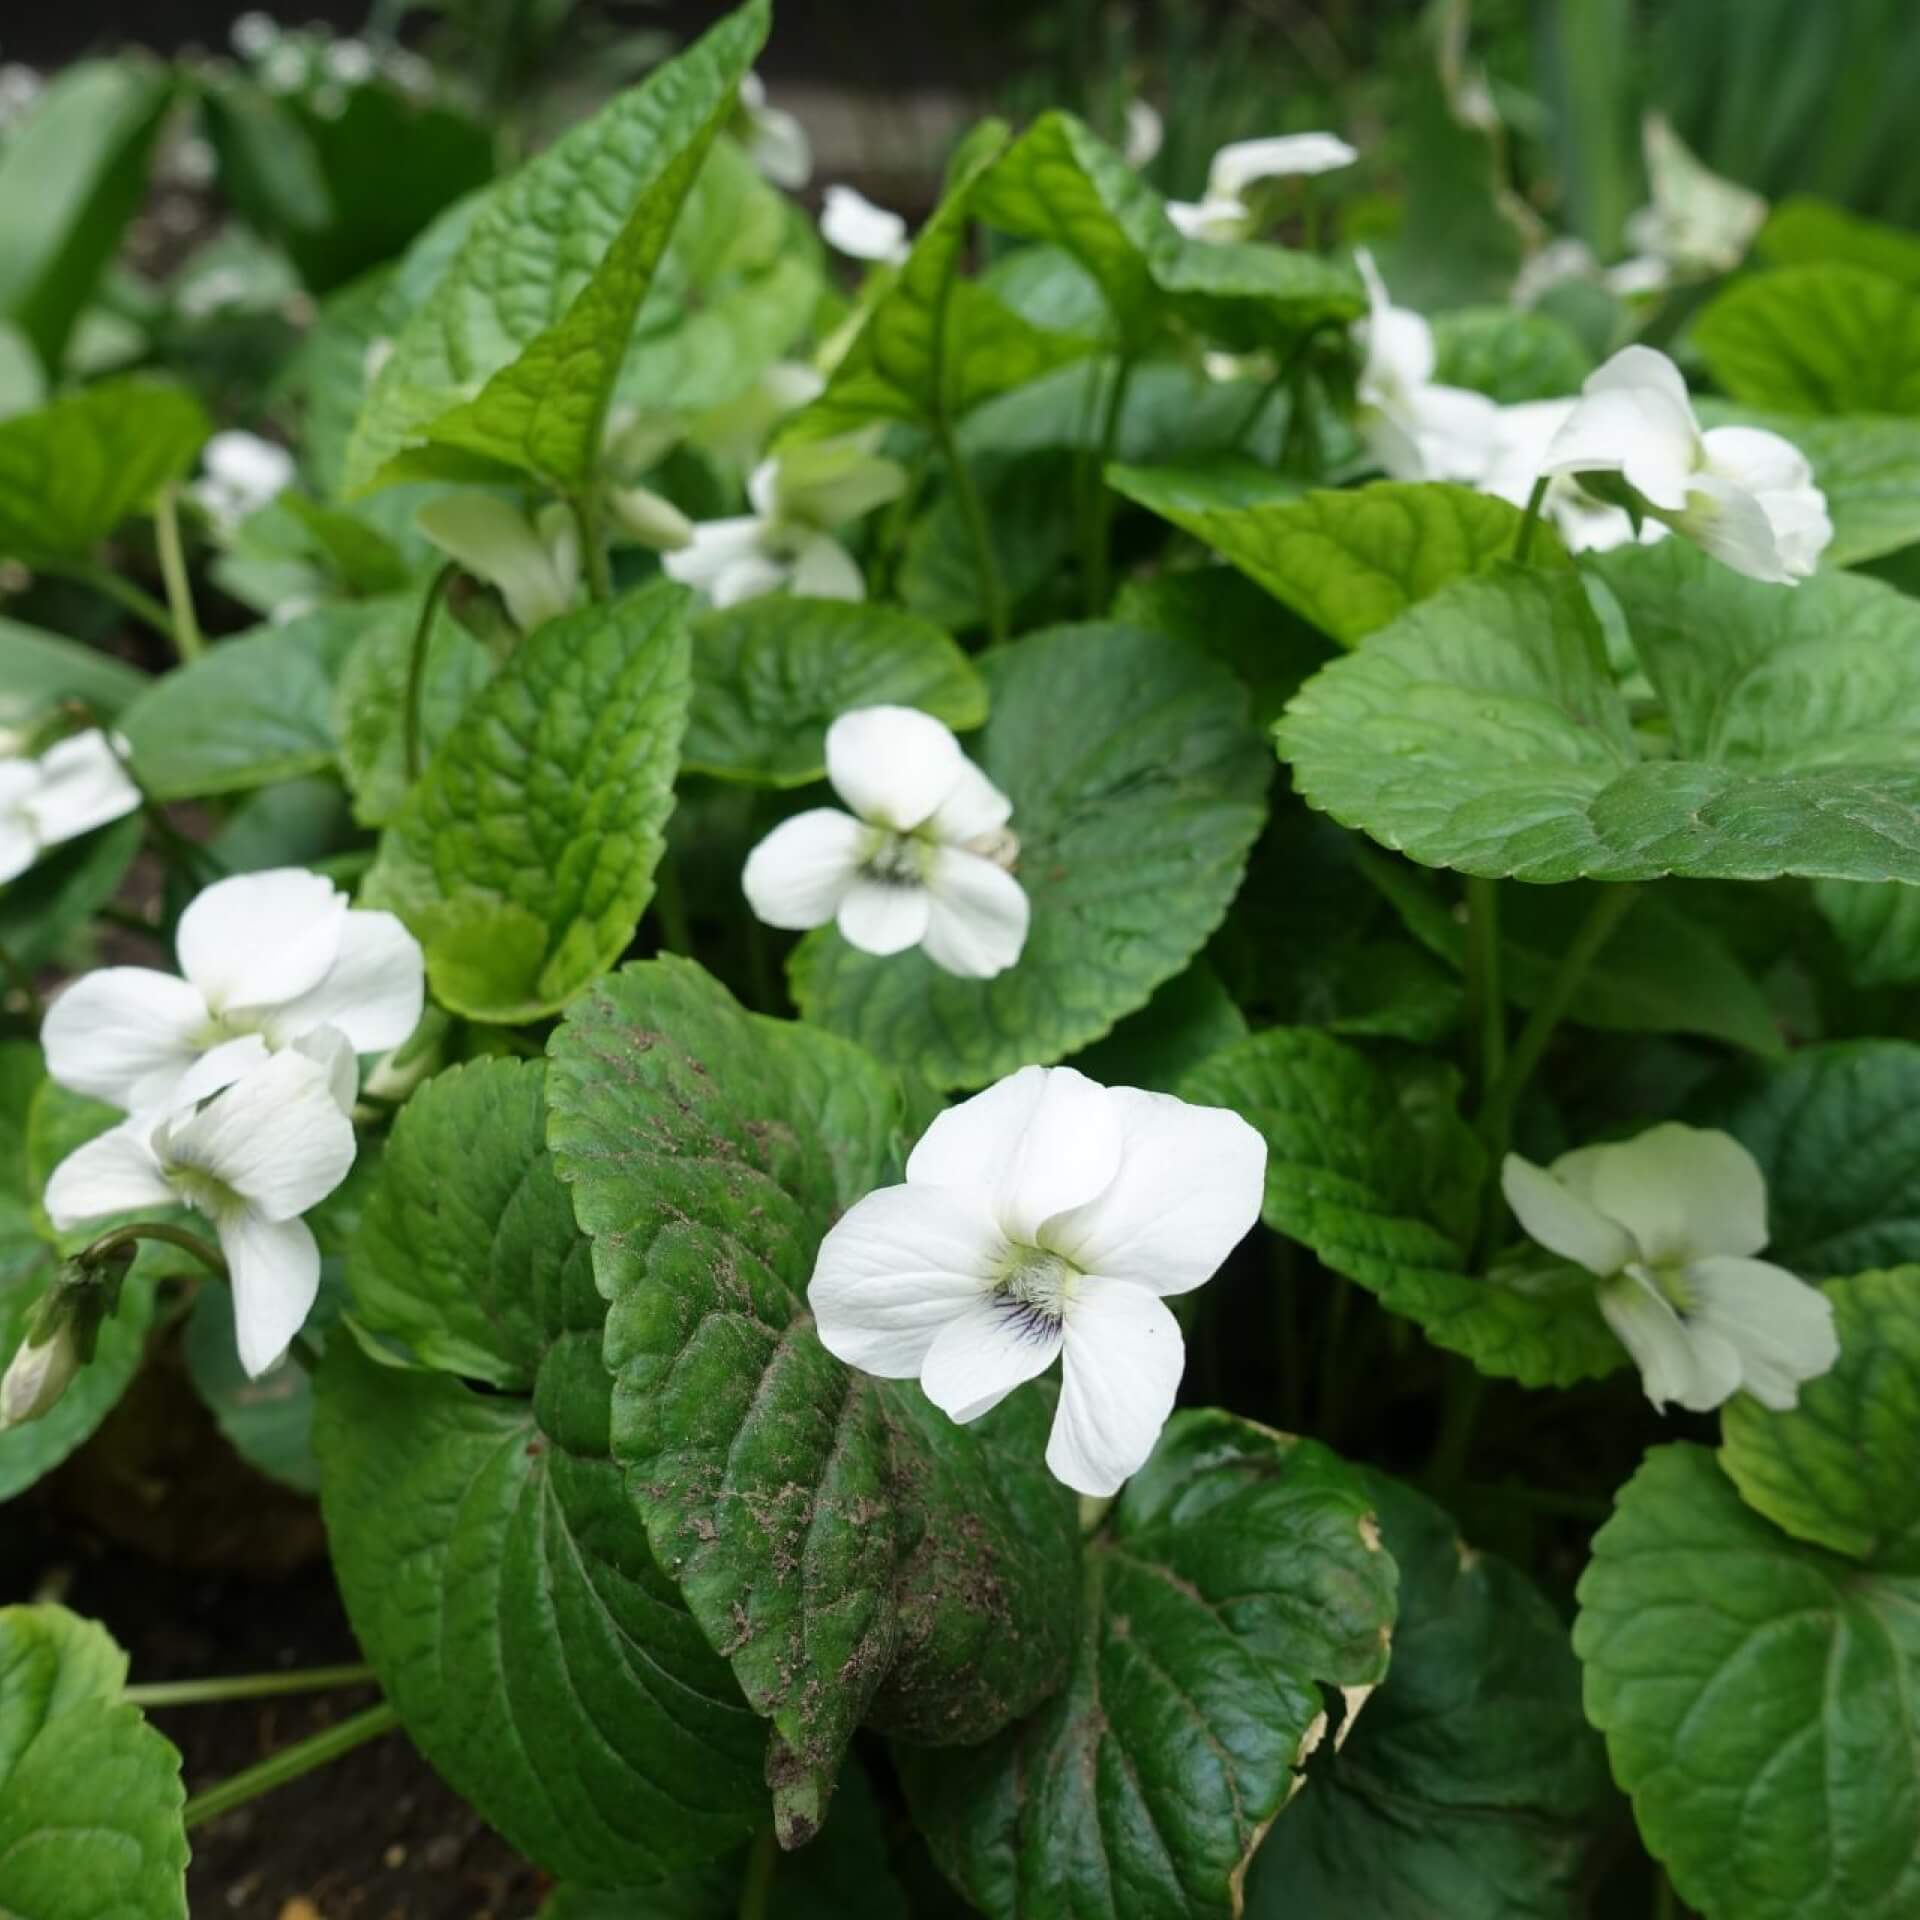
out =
column 1521, row 436
column 1559, row 263
column 269, row 959
column 1744, row 495
column 776, row 141
column 798, row 497
column 1669, row 1223
column 1698, row 224
column 1417, row 430
column 1146, row 133
column 20, row 91
column 241, row 474
column 534, row 563
column 253, row 34
column 77, row 784
column 1222, row 213
column 738, row 432
column 850, row 223
column 920, row 862
column 1048, row 1215
column 253, row 1158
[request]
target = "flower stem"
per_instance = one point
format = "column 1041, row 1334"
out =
column 756, row 1889
column 417, row 664
column 289, row 1765
column 1536, row 500
column 593, row 548
column 246, row 1686
column 173, row 570
column 20, row 981
column 1461, row 1414
column 1100, row 505
column 993, row 592
column 143, row 606
column 670, row 903
column 1486, row 1008
column 110, row 1243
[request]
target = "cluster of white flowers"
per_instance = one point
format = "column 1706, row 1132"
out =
column 1046, row 1216
column 238, row 1079
column 1223, row 213
column 310, row 60
column 76, row 784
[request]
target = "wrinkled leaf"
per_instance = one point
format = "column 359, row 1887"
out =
column 1508, row 353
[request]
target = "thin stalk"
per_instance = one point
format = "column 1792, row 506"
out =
column 593, row 548
column 417, row 664
column 291, row 1764
column 1100, row 507
column 173, row 570
column 756, row 1889
column 111, row 1243
column 1536, row 500
column 993, row 592
column 670, row 903
column 142, row 605
column 1458, row 1418
column 245, row 1686
column 21, row 982
column 1261, row 402
column 1486, row 1009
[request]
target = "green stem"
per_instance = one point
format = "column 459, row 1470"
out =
column 1100, row 507
column 281, row 1768
column 143, row 606
column 993, row 593
column 1486, row 1009
column 173, row 570
column 756, row 1890
column 1261, row 402
column 593, row 549
column 670, row 903
column 417, row 664
column 1466, row 1390
column 21, row 981
column 1536, row 500
column 111, row 1243
column 246, row 1686
column 1666, row 1901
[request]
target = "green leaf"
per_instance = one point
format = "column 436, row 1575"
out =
column 70, row 179
column 268, row 1422
column 1472, row 1784
column 45, row 907
column 1835, row 1470
column 43, row 669
column 1028, row 501
column 1804, row 232
column 1757, row 1696
column 1878, row 928
column 253, row 710
column 1238, row 1576
column 1189, row 1019
column 73, row 470
column 494, row 1569
column 90, row 1795
column 1247, row 296
column 1836, row 1131
column 524, row 857
column 370, row 701
column 857, row 1555
column 1822, row 339
column 1481, row 730
column 1661, row 970
column 1508, row 353
column 1349, row 562
column 514, row 357
column 1382, row 1181
column 771, row 675
column 1136, row 793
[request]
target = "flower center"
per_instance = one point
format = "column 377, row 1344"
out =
column 1033, row 1291
column 1669, row 1281
column 897, row 860
column 203, row 1191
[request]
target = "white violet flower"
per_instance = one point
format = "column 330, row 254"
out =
column 1416, row 429
column 1521, row 436
column 1145, row 134
column 1697, row 225
column 920, row 862
column 1745, row 495
column 1222, row 213
column 1669, row 1223
column 241, row 473
column 252, row 1159
column 72, row 787
column 776, row 141
column 1048, row 1215
column 798, row 497
column 850, row 223
column 269, row 959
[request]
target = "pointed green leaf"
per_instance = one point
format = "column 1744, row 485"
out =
column 856, row 1554
column 1136, row 794
column 73, row 470
column 43, row 669
column 1481, row 730
column 524, row 857
column 771, row 675
column 1472, row 1784
column 1350, row 562
column 494, row 1570
column 513, row 358
column 1821, row 339
column 1247, row 295
column 1511, row 354
column 90, row 1795
column 1382, row 1181
column 1189, row 1019
column 1238, row 1578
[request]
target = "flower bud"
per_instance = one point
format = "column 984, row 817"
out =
column 38, row 1376
column 62, row 1334
column 651, row 519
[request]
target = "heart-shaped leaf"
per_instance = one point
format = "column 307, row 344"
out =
column 1511, row 354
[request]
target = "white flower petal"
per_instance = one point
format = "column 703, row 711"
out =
column 892, row 765
column 974, row 806
column 883, row 917
column 82, row 786
column 330, row 1050
column 217, row 1068
column 1651, row 1331
column 125, row 1035
column 1145, row 133
column 19, row 845
column 824, row 570
column 275, row 1267
column 496, row 542
column 752, row 577
column 799, row 874
column 977, row 915
column 980, row 1356
column 1187, row 1192
column 1236, row 167
column 277, row 1137
column 1045, row 1140
column 1119, row 1373
column 1553, row 1211
column 714, row 547
column 896, row 1267
column 1802, row 529
column 1781, row 1328
column 1212, row 219
column 260, row 939
column 1733, row 526
column 373, row 993
column 116, row 1172
column 780, row 148
column 850, row 223
column 1398, row 342
column 1760, row 462
column 1682, row 1192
